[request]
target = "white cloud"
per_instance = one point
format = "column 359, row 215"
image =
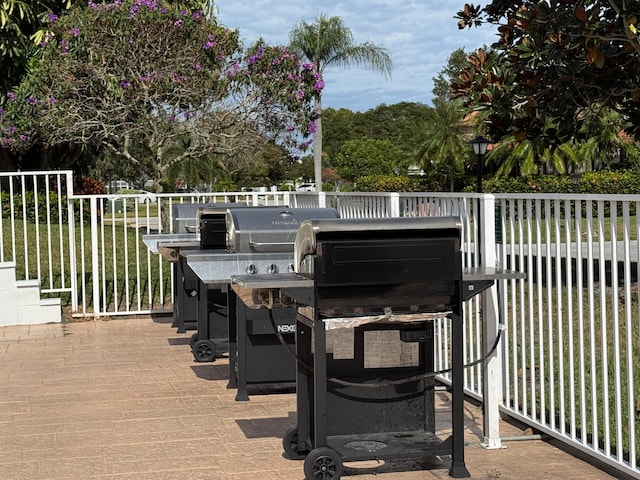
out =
column 419, row 35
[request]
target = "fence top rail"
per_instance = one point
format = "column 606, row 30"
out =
column 36, row 172
column 195, row 197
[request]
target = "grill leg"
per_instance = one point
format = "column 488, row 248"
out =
column 233, row 335
column 241, row 347
column 458, row 468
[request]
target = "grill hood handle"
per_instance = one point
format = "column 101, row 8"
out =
column 271, row 247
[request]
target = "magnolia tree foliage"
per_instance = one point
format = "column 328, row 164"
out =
column 142, row 77
column 555, row 65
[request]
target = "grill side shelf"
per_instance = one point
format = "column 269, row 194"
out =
column 477, row 279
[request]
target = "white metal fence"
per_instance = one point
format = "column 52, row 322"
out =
column 568, row 362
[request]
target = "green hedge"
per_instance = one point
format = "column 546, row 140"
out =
column 608, row 183
column 386, row 183
column 27, row 205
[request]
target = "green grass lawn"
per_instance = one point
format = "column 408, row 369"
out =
column 560, row 336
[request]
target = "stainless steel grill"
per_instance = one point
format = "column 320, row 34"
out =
column 259, row 241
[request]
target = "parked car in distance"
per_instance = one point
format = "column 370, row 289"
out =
column 306, row 187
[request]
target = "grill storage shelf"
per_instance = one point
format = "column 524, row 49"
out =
column 260, row 241
column 367, row 293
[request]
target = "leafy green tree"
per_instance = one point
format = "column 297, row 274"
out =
column 456, row 62
column 555, row 65
column 445, row 146
column 402, row 124
column 328, row 42
column 157, row 84
column 358, row 158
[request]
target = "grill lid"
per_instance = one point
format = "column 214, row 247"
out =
column 269, row 229
column 311, row 230
column 185, row 215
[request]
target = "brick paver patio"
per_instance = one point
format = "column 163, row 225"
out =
column 124, row 400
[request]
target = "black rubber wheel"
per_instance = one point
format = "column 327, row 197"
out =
column 323, row 464
column 290, row 445
column 204, row 351
column 193, row 340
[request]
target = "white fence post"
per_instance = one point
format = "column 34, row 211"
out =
column 73, row 263
column 95, row 262
column 322, row 200
column 492, row 372
column 395, row 204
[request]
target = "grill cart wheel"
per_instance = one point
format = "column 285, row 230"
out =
column 290, row 444
column 204, row 351
column 193, row 340
column 323, row 464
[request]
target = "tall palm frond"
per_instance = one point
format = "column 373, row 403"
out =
column 329, row 42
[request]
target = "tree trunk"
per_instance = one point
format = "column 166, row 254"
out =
column 317, row 145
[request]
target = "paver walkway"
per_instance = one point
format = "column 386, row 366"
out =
column 123, row 400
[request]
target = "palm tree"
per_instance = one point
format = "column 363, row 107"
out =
column 327, row 41
column 445, row 148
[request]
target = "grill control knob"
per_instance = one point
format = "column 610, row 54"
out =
column 273, row 268
column 251, row 269
column 291, row 268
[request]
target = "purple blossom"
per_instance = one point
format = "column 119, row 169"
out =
column 45, row 40
column 319, row 85
column 53, row 100
column 187, row 115
column 1, row 112
column 308, row 66
column 52, row 17
column 198, row 67
column 312, row 127
column 172, row 118
column 75, row 32
column 290, row 128
column 300, row 94
column 11, row 96
column 208, row 45
column 197, row 14
column 177, row 23
column 124, row 84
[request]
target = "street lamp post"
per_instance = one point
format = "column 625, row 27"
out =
column 480, row 145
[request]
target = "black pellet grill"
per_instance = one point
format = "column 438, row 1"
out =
column 367, row 293
column 259, row 241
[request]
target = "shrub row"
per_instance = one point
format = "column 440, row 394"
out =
column 609, row 183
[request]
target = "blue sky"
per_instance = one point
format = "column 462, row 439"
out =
column 419, row 35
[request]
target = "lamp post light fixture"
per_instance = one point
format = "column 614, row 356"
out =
column 575, row 179
column 480, row 145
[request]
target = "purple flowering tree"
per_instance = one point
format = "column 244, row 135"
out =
column 140, row 78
